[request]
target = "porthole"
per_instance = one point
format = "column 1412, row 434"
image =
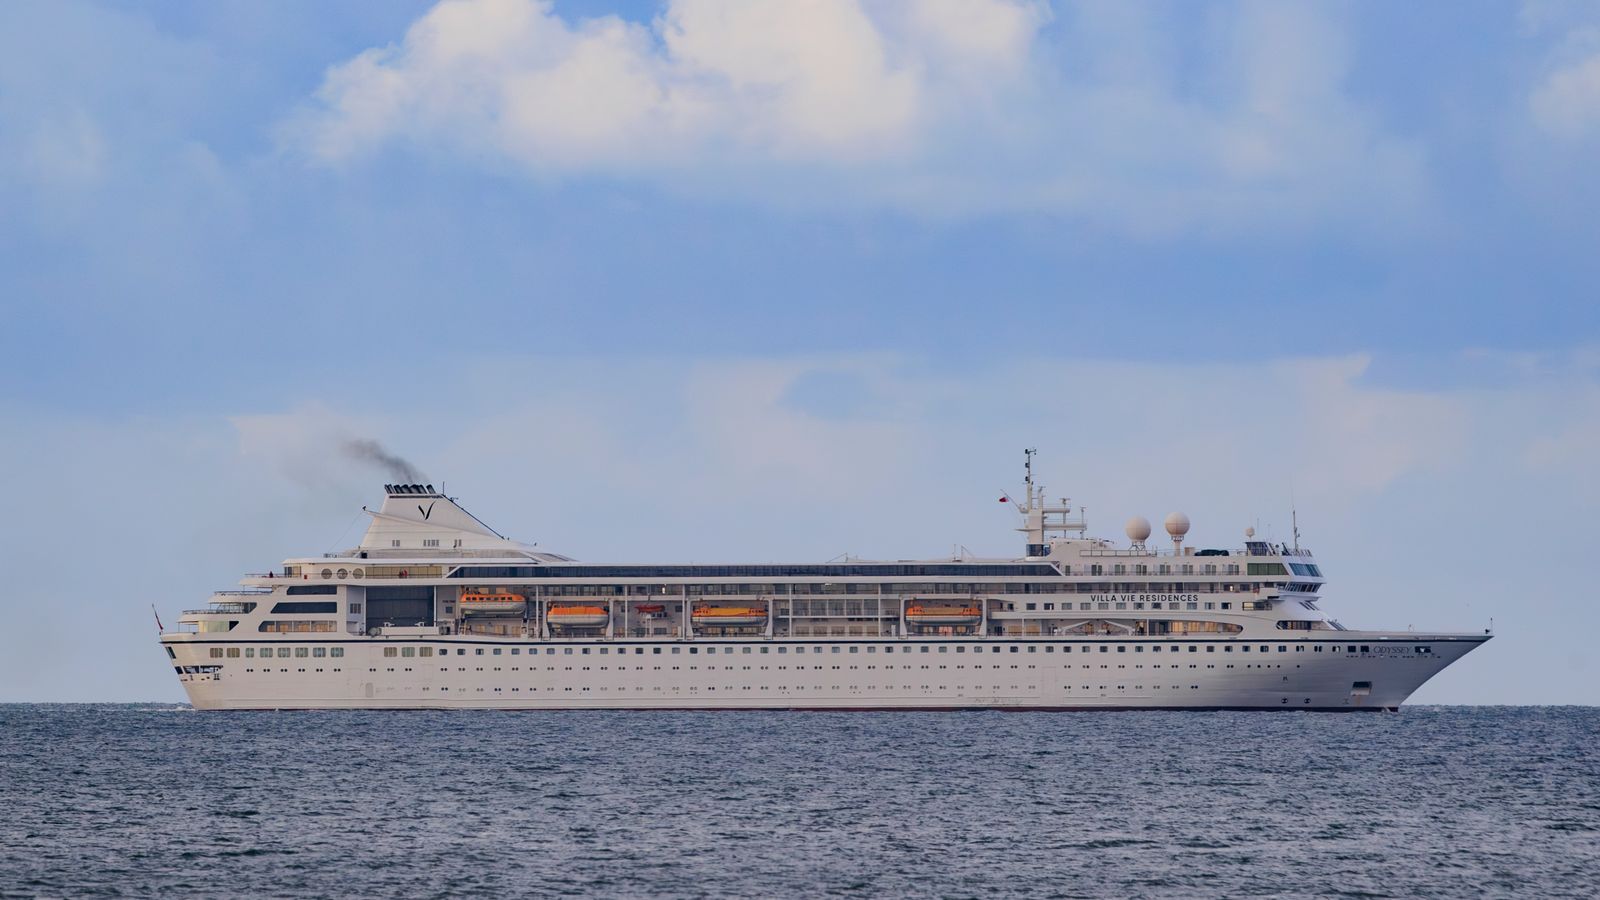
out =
column 357, row 573
column 327, row 573
column 343, row 574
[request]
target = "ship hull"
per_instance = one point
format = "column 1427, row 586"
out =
column 1358, row 671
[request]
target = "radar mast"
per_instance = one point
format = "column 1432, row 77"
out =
column 1041, row 520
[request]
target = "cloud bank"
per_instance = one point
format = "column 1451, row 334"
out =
column 946, row 107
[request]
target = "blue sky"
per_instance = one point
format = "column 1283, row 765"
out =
column 693, row 280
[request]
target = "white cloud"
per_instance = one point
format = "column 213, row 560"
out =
column 1567, row 102
column 66, row 152
column 953, row 107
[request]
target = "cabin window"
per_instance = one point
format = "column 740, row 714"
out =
column 216, row 652
column 283, row 652
column 391, row 651
column 408, row 651
column 319, row 652
column 336, row 651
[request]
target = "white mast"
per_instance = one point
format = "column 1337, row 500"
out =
column 1038, row 523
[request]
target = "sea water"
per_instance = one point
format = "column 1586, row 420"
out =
column 165, row 801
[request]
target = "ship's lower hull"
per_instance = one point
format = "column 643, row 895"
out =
column 1358, row 672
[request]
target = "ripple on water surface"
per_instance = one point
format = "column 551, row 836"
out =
column 157, row 800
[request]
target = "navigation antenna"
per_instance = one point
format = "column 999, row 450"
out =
column 1294, row 521
column 1027, row 468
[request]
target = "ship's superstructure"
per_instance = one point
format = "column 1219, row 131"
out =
column 434, row 609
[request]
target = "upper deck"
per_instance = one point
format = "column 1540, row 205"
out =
column 427, row 563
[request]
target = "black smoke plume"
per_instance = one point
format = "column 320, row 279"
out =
column 371, row 451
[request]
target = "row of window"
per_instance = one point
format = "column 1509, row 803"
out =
column 870, row 589
column 825, row 570
column 297, row 626
column 1124, row 604
column 283, row 652
column 1142, row 569
column 304, row 607
column 410, row 651
column 425, row 651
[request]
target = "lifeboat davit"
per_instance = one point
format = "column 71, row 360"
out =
column 943, row 615
column 577, row 616
column 479, row 602
column 728, row 616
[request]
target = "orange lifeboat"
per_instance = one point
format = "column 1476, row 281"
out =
column 728, row 616
column 577, row 616
column 917, row 614
column 482, row 602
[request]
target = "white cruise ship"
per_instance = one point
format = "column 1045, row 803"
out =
column 435, row 609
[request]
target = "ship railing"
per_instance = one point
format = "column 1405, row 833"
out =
column 231, row 609
column 1192, row 552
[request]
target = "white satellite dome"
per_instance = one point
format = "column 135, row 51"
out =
column 1138, row 529
column 1177, row 524
column 1249, row 532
